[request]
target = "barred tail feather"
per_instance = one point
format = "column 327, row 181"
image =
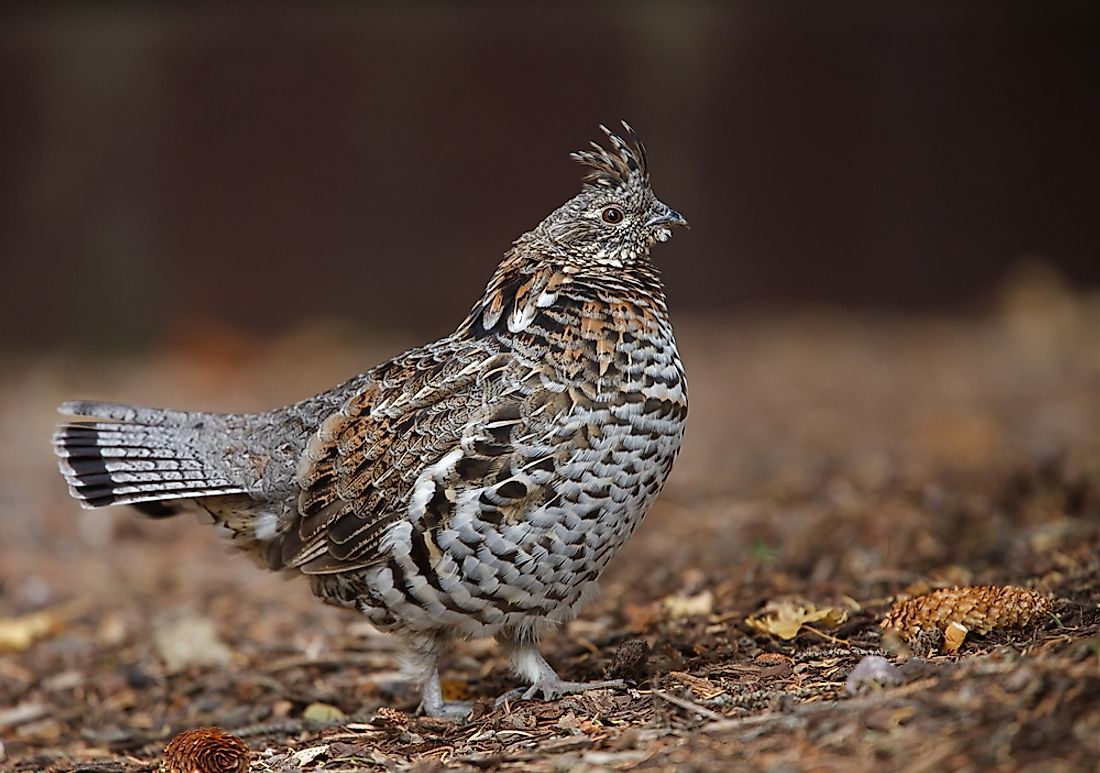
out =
column 129, row 455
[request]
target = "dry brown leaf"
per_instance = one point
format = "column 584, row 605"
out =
column 308, row 755
column 785, row 618
column 641, row 617
column 189, row 640
column 322, row 712
column 680, row 607
column 701, row 688
column 979, row 608
column 455, row 689
column 19, row 633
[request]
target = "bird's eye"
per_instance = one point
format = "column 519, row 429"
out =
column 612, row 215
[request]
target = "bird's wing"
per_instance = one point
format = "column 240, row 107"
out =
column 427, row 427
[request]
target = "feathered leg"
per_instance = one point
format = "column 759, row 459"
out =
column 421, row 665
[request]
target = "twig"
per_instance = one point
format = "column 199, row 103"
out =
column 22, row 714
column 702, row 711
column 826, row 636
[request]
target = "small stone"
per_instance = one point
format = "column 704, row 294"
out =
column 873, row 672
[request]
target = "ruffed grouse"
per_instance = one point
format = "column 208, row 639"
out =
column 475, row 486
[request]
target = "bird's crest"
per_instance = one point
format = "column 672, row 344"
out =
column 622, row 165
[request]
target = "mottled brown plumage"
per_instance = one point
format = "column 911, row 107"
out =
column 478, row 485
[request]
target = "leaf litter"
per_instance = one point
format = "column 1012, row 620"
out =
column 830, row 455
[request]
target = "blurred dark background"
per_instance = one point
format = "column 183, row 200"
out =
column 252, row 167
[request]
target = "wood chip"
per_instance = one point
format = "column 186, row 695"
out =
column 954, row 636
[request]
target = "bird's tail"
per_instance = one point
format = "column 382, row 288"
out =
column 122, row 454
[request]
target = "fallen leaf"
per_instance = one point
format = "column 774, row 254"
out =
column 785, row 618
column 887, row 718
column 23, row 714
column 679, row 607
column 641, row 617
column 306, row 756
column 19, row 633
column 455, row 689
column 189, row 640
column 567, row 721
column 703, row 689
column 322, row 712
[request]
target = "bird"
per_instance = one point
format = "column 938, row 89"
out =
column 477, row 486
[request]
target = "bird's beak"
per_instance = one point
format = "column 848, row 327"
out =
column 667, row 216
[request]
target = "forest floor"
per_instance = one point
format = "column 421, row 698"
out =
column 844, row 459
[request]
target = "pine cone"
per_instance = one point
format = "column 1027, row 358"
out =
column 979, row 608
column 205, row 750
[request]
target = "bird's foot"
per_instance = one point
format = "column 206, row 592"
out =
column 433, row 705
column 551, row 688
column 452, row 710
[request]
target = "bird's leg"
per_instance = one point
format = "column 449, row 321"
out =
column 529, row 664
column 433, row 705
column 421, row 665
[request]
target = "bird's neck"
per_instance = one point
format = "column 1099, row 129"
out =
column 524, row 291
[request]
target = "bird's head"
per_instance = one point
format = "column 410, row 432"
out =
column 616, row 218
